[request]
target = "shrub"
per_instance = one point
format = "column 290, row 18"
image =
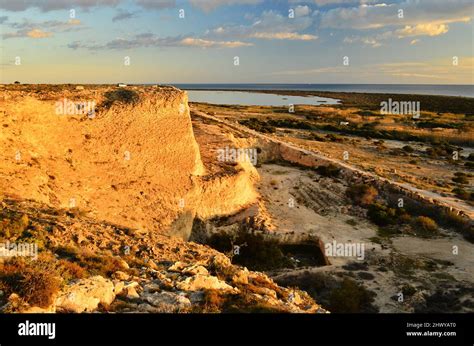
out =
column 362, row 194
column 36, row 282
column 14, row 226
column 381, row 215
column 349, row 297
column 425, row 224
column 122, row 96
column 408, row 149
column 460, row 178
column 330, row 170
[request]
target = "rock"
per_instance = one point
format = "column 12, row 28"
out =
column 118, row 287
column 241, row 277
column 195, row 270
column 152, row 265
column 167, row 301
column 132, row 293
column 123, row 264
column 202, row 282
column 220, row 261
column 119, row 275
column 177, row 267
column 86, row 295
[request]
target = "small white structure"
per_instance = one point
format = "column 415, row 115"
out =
column 79, row 87
column 344, row 123
column 121, row 85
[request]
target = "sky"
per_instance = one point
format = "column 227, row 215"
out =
column 237, row 41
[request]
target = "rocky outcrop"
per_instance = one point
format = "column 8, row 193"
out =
column 86, row 295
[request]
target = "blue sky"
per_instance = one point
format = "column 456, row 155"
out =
column 276, row 41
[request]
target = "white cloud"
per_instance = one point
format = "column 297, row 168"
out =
column 210, row 5
column 415, row 12
column 284, row 36
column 271, row 25
column 151, row 40
column 422, row 30
column 197, row 42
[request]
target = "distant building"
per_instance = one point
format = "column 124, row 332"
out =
column 121, row 85
column 79, row 87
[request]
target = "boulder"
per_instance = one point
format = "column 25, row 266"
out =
column 195, row 270
column 86, row 295
column 202, row 282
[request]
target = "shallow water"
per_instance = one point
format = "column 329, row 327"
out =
column 255, row 99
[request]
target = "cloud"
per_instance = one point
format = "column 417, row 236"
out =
column 42, row 29
column 37, row 33
column 122, row 15
column 156, row 4
column 151, row 40
column 422, row 29
column 368, row 16
column 429, row 70
column 210, row 5
column 52, row 5
column 197, row 42
column 284, row 36
column 271, row 25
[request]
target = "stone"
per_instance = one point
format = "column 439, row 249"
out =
column 177, row 267
column 202, row 282
column 241, row 277
column 86, row 295
column 119, row 275
column 167, row 301
column 195, row 270
column 118, row 287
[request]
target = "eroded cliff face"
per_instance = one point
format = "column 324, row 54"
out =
column 136, row 164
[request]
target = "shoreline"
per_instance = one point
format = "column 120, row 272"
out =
column 371, row 101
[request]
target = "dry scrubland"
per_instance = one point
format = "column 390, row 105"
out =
column 155, row 216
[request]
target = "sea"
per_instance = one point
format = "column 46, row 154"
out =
column 420, row 89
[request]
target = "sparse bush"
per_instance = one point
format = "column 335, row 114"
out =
column 36, row 282
column 330, row 170
column 381, row 215
column 460, row 178
column 362, row 194
column 425, row 224
column 124, row 96
column 350, row 297
column 408, row 149
column 13, row 226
